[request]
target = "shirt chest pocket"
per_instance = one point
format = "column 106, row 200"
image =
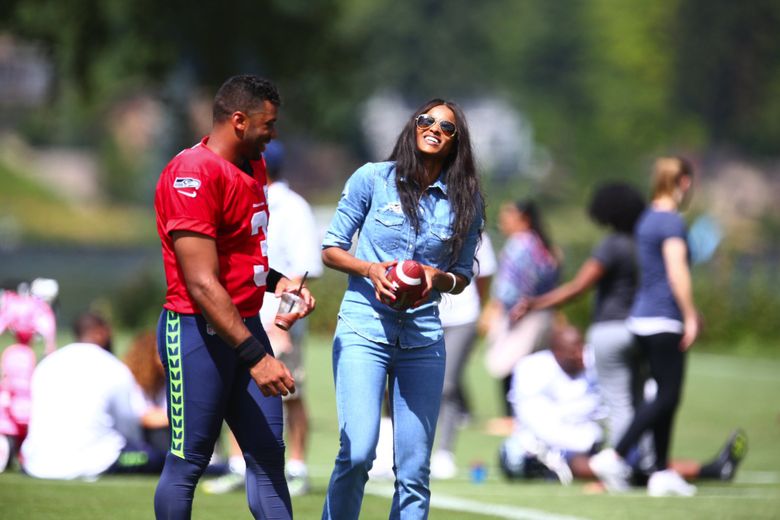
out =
column 388, row 230
column 437, row 242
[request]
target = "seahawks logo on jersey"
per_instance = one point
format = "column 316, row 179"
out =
column 186, row 182
column 187, row 186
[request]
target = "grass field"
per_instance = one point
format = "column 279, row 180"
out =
column 722, row 392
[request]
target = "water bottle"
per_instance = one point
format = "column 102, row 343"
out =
column 478, row 472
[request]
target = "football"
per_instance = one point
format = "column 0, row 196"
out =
column 407, row 278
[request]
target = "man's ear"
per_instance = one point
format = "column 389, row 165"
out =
column 239, row 120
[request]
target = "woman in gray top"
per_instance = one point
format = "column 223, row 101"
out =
column 612, row 269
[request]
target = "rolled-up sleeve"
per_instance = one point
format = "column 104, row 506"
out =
column 352, row 209
column 464, row 266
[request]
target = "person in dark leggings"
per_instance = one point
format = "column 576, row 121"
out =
column 665, row 322
column 667, row 365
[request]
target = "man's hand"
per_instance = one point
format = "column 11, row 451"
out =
column 272, row 377
column 287, row 285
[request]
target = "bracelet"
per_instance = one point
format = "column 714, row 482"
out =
column 454, row 282
column 250, row 351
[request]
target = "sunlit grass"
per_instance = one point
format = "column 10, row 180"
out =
column 721, row 392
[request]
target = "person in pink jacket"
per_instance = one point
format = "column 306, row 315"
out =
column 24, row 315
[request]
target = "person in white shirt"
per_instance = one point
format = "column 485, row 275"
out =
column 293, row 249
column 459, row 315
column 87, row 412
column 558, row 411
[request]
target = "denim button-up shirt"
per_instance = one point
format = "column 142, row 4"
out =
column 371, row 206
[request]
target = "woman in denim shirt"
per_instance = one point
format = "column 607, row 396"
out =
column 423, row 204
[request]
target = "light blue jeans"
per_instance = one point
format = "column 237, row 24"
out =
column 414, row 377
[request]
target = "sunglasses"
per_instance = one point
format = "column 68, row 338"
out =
column 425, row 121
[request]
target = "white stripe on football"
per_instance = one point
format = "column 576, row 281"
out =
column 399, row 272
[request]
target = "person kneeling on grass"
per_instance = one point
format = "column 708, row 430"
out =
column 88, row 412
column 558, row 409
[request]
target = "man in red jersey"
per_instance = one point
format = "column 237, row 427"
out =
column 212, row 217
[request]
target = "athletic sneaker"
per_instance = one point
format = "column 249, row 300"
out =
column 732, row 454
column 224, row 484
column 297, row 478
column 443, row 465
column 611, row 470
column 669, row 483
column 556, row 462
column 512, row 458
column 298, row 486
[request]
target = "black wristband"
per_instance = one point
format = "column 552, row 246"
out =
column 250, row 351
column 272, row 279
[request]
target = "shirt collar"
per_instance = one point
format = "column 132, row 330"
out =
column 440, row 182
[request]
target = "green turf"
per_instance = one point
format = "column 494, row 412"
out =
column 721, row 393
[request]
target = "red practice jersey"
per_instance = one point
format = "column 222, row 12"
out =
column 202, row 192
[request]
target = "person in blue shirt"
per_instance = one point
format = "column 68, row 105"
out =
column 665, row 323
column 423, row 204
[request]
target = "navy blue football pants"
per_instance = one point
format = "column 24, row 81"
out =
column 206, row 384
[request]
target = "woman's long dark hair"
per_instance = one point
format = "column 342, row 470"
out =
column 463, row 187
column 529, row 208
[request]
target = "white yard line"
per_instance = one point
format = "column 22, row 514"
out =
column 450, row 503
column 758, row 477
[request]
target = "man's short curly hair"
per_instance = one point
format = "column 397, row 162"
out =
column 617, row 205
column 243, row 93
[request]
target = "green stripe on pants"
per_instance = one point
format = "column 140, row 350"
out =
column 173, row 350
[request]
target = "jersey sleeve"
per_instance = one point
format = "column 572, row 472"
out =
column 190, row 201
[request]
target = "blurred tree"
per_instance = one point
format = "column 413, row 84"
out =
column 99, row 48
column 728, row 70
column 423, row 49
column 606, row 83
column 107, row 51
